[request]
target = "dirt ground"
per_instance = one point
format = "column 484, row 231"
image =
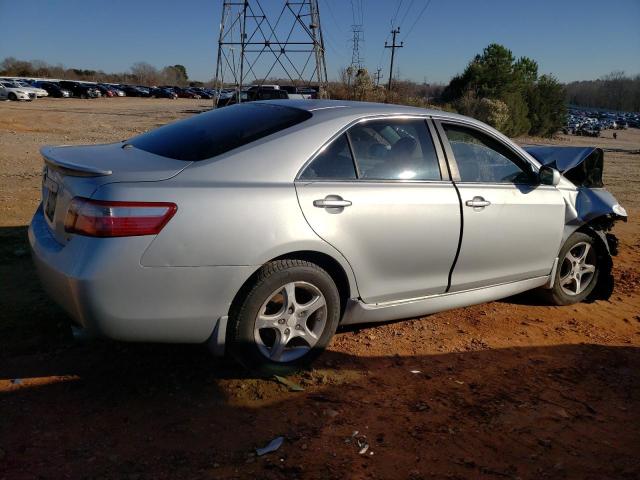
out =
column 510, row 389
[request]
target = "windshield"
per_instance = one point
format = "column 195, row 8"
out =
column 218, row 131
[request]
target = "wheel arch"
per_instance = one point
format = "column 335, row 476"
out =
column 343, row 278
column 607, row 246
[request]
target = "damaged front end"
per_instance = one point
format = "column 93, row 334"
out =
column 589, row 202
column 589, row 206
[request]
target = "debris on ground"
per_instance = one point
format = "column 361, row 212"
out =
column 292, row 386
column 272, row 446
column 360, row 441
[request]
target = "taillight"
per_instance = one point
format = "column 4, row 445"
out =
column 97, row 218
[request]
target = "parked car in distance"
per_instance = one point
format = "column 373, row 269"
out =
column 163, row 93
column 203, row 93
column 135, row 91
column 144, row 91
column 53, row 89
column 39, row 92
column 299, row 92
column 186, row 93
column 117, row 91
column 9, row 91
column 79, row 90
column 105, row 91
column 259, row 228
column 253, row 94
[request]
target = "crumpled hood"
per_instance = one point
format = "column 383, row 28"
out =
column 581, row 165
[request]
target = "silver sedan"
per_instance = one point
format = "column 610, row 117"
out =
column 260, row 228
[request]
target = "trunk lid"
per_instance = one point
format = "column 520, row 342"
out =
column 78, row 171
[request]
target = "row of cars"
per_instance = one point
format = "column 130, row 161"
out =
column 30, row 89
column 590, row 123
column 14, row 89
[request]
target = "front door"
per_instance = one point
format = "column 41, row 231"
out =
column 377, row 195
column 512, row 225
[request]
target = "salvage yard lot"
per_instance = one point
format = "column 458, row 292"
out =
column 510, row 389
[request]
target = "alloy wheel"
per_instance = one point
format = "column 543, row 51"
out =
column 578, row 269
column 290, row 322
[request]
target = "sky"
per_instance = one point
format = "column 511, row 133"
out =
column 571, row 39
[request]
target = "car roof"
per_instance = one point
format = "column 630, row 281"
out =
column 329, row 109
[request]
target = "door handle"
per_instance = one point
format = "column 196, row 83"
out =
column 332, row 201
column 477, row 202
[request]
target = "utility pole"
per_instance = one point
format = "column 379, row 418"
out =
column 393, row 47
column 378, row 76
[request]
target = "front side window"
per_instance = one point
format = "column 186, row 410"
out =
column 481, row 158
column 332, row 163
column 394, row 149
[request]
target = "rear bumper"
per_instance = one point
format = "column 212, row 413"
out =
column 104, row 288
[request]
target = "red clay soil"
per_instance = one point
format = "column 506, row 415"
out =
column 512, row 389
column 509, row 389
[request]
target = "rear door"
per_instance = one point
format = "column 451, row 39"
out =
column 512, row 225
column 378, row 195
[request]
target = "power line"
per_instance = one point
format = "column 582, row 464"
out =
column 417, row 19
column 330, row 39
column 405, row 14
column 335, row 20
column 393, row 19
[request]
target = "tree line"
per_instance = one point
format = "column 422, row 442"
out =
column 616, row 91
column 140, row 73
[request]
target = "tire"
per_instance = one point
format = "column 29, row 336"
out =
column 12, row 96
column 301, row 324
column 575, row 267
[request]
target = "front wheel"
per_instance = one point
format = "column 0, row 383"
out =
column 285, row 318
column 578, row 270
column 12, row 96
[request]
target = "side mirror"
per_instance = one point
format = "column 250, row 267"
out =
column 549, row 176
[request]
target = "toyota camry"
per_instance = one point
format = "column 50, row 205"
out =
column 262, row 227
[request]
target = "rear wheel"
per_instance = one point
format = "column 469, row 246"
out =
column 285, row 318
column 578, row 270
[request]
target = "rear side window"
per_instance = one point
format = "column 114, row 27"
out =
column 394, row 149
column 218, row 131
column 334, row 162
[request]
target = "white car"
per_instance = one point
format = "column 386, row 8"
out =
column 40, row 92
column 8, row 91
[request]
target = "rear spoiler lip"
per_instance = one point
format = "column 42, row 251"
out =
column 70, row 168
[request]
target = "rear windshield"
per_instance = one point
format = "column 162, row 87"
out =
column 215, row 132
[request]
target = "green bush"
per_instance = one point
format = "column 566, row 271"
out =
column 535, row 105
